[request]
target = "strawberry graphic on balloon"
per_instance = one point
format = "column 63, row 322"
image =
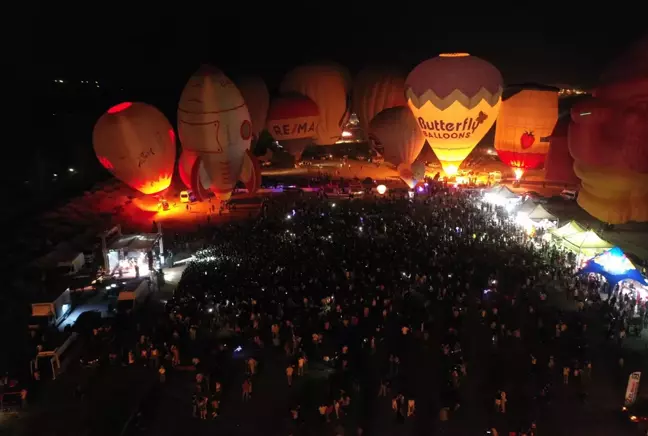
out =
column 526, row 140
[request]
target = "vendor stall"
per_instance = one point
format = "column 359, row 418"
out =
column 502, row 196
column 584, row 245
column 568, row 229
column 614, row 266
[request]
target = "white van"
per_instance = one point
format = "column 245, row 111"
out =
column 569, row 194
column 187, row 197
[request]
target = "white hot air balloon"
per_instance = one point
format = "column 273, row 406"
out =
column 214, row 123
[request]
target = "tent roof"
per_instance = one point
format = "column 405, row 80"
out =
column 540, row 213
column 527, row 206
column 614, row 265
column 586, row 240
column 570, row 228
column 505, row 192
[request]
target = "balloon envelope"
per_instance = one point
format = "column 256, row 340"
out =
column 608, row 138
column 213, row 122
column 525, row 122
column 396, row 130
column 136, row 143
column 293, row 121
column 455, row 99
column 251, row 172
column 327, row 85
column 257, row 98
column 559, row 165
column 374, row 90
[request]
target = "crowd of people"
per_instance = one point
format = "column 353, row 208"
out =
column 434, row 310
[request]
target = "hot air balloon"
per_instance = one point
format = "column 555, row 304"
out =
column 251, row 172
column 214, row 123
column 396, row 130
column 257, row 99
column 608, row 138
column 455, row 99
column 293, row 121
column 527, row 116
column 136, row 143
column 328, row 86
column 559, row 165
column 374, row 90
column 190, row 178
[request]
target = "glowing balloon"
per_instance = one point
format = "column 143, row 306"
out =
column 608, row 138
column 455, row 98
column 136, row 143
column 396, row 130
column 328, row 86
column 213, row 122
column 374, row 90
column 189, row 161
column 293, row 121
column 559, row 166
column 525, row 121
column 251, row 172
column 257, row 98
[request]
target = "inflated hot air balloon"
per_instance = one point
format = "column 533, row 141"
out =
column 214, row 123
column 608, row 138
column 374, row 90
column 455, row 99
column 293, row 121
column 527, row 116
column 186, row 166
column 559, row 165
column 251, row 172
column 257, row 98
column 136, row 143
column 327, row 85
column 396, row 130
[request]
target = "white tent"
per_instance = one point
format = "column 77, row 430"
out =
column 506, row 193
column 539, row 213
column 527, row 207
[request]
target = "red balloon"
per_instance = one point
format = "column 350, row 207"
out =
column 559, row 165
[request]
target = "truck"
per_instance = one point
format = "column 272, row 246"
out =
column 133, row 295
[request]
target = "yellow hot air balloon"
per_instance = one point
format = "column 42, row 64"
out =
column 328, row 86
column 374, row 90
column 396, row 130
column 455, row 99
column 257, row 99
column 526, row 119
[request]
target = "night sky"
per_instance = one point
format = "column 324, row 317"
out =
column 553, row 46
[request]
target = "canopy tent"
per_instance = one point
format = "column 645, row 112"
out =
column 615, row 266
column 585, row 243
column 570, row 228
column 506, row 193
column 527, row 207
column 539, row 213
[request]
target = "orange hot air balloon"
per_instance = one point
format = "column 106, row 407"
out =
column 251, row 173
column 559, row 165
column 374, row 90
column 396, row 130
column 527, row 116
column 257, row 98
column 328, row 86
column 455, row 99
column 608, row 138
column 214, row 123
column 292, row 121
column 136, row 143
